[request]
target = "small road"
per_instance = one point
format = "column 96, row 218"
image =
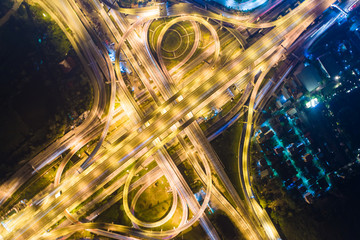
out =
column 14, row 8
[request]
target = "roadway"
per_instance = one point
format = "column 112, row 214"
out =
column 194, row 98
column 243, row 165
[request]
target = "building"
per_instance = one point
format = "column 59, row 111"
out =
column 307, row 157
column 67, row 64
column 291, row 148
column 264, row 173
column 308, row 76
column 309, row 198
column 263, row 162
column 285, row 93
column 262, row 137
column 287, row 104
column 269, row 134
column 264, row 129
column 278, row 150
column 291, row 112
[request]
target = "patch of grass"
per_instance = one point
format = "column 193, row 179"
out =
column 206, row 37
column 229, row 105
column 83, row 235
column 193, row 232
column 190, row 176
column 171, row 41
column 31, row 190
column 174, row 221
column 187, row 40
column 155, row 29
column 225, row 227
column 226, row 146
column 221, row 187
column 154, row 202
column 115, row 214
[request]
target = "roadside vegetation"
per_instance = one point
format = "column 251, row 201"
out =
column 193, row 232
column 190, row 176
column 331, row 217
column 84, row 235
column 154, row 202
column 226, row 146
column 39, row 101
column 225, row 227
column 5, row 5
column 129, row 3
column 115, row 214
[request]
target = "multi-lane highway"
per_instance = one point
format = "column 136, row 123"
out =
column 143, row 132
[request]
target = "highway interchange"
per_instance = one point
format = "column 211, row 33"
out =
column 131, row 136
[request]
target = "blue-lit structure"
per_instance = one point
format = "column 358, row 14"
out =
column 245, row 6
